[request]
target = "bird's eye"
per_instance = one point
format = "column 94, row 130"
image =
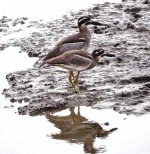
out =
column 97, row 53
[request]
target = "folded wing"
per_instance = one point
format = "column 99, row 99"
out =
column 74, row 62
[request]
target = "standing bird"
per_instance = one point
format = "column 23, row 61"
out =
column 77, row 60
column 78, row 41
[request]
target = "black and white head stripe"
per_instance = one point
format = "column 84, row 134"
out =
column 101, row 52
column 98, row 52
column 79, row 19
column 84, row 19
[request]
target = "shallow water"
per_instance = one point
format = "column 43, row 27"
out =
column 27, row 135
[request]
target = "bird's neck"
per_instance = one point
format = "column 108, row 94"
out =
column 83, row 29
column 85, row 32
column 95, row 58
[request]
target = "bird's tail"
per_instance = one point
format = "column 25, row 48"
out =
column 42, row 64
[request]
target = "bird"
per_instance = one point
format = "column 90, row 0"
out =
column 78, row 41
column 75, row 60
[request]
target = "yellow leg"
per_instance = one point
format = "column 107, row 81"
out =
column 72, row 80
column 72, row 110
column 78, row 110
column 75, row 78
column 77, row 83
column 71, row 75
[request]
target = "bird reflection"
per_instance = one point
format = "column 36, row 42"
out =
column 77, row 129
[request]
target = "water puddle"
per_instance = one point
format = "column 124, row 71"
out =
column 90, row 131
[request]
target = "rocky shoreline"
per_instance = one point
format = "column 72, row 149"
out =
column 123, row 83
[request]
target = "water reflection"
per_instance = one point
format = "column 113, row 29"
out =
column 76, row 128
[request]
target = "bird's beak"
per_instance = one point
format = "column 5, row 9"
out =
column 90, row 16
column 95, row 23
column 107, row 55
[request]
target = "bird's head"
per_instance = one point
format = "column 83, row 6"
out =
column 98, row 52
column 84, row 19
column 101, row 52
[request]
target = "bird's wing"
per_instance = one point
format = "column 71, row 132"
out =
column 71, row 46
column 75, row 38
column 76, row 62
column 72, row 42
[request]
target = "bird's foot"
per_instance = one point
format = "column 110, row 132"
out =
column 77, row 89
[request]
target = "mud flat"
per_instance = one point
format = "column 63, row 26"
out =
column 123, row 83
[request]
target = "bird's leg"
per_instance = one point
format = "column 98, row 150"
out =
column 77, row 83
column 72, row 80
column 70, row 77
column 75, row 78
column 78, row 110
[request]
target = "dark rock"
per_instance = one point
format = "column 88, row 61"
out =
column 141, row 79
column 32, row 54
column 136, row 15
column 116, row 22
column 96, row 7
column 13, row 100
column 142, row 29
column 118, row 6
column 131, row 26
column 147, row 108
column 116, row 44
column 119, row 60
column 145, row 1
column 133, row 10
column 147, row 85
column 3, row 46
